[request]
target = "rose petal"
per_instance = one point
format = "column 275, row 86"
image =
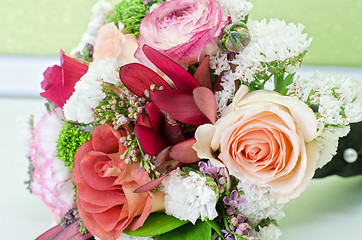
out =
column 203, row 136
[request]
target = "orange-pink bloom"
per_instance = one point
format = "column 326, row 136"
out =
column 266, row 138
column 112, row 42
column 105, row 184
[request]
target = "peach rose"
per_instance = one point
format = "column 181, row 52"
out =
column 265, row 138
column 111, row 42
column 105, row 184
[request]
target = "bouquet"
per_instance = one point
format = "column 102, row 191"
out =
column 182, row 119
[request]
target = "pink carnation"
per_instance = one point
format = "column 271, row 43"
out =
column 51, row 179
column 183, row 30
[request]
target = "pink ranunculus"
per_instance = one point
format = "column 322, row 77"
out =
column 105, row 185
column 112, row 42
column 59, row 81
column 51, row 179
column 265, row 138
column 183, row 30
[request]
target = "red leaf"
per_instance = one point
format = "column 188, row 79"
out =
column 180, row 105
column 162, row 156
column 184, row 153
column 137, row 78
column 155, row 183
column 202, row 74
column 182, row 79
column 205, row 101
column 151, row 142
column 51, row 233
column 71, row 232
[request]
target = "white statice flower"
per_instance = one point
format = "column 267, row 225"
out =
column 275, row 40
column 236, row 9
column 339, row 98
column 222, row 97
column 99, row 12
column 219, row 62
column 88, row 91
column 270, row 232
column 128, row 237
column 259, row 204
column 327, row 143
column 188, row 197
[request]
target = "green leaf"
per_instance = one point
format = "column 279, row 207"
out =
column 216, row 226
column 282, row 85
column 156, row 224
column 200, row 231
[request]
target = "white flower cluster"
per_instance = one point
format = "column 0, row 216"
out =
column 259, row 203
column 270, row 41
column 188, row 198
column 270, row 232
column 88, row 91
column 327, row 143
column 128, row 237
column 99, row 11
column 339, row 98
column 236, row 9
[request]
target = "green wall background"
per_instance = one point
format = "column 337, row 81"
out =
column 43, row 27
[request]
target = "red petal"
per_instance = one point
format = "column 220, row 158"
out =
column 137, row 78
column 205, row 101
column 150, row 141
column 184, row 153
column 144, row 120
column 182, row 79
column 173, row 131
column 180, row 105
column 202, row 74
column 155, row 116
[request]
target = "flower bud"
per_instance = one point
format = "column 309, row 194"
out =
column 235, row 37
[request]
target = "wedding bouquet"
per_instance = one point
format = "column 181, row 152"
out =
column 182, row 119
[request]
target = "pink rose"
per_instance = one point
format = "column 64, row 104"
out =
column 265, row 138
column 51, row 179
column 111, row 42
column 183, row 30
column 59, row 81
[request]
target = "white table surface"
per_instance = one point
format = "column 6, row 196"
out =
column 330, row 208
